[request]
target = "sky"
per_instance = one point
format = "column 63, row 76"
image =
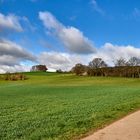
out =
column 61, row 33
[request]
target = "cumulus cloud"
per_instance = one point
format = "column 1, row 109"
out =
column 12, row 54
column 72, row 38
column 8, row 60
column 110, row 52
column 60, row 60
column 12, row 49
column 15, row 68
column 9, row 22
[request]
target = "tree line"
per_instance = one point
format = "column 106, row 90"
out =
column 98, row 67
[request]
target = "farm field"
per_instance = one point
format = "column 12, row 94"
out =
column 52, row 106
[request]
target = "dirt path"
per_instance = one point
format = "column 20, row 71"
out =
column 127, row 128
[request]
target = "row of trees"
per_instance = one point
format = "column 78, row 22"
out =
column 98, row 67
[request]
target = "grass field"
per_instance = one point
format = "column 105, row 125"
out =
column 50, row 106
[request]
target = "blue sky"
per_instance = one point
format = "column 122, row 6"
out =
column 82, row 30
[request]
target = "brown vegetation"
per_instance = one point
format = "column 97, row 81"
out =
column 14, row 76
column 122, row 68
column 121, row 71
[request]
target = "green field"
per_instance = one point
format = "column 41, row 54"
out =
column 55, row 106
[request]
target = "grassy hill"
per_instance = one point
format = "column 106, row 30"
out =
column 56, row 106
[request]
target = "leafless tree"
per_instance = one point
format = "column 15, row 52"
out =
column 97, row 63
column 120, row 62
column 134, row 61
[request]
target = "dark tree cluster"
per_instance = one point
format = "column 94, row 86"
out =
column 39, row 68
column 121, row 71
column 79, row 69
column 98, row 67
column 59, row 71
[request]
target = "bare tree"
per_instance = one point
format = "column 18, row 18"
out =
column 97, row 63
column 134, row 61
column 120, row 62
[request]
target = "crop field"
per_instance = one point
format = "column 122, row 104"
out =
column 51, row 106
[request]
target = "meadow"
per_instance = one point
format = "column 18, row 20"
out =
column 52, row 106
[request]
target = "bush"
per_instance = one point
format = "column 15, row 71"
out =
column 14, row 76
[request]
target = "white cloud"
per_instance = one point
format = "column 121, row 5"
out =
column 110, row 52
column 96, row 7
column 49, row 21
column 64, row 61
column 72, row 38
column 8, row 60
column 75, row 41
column 12, row 49
column 11, row 56
column 15, row 68
column 9, row 22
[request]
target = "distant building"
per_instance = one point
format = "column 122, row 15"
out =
column 39, row 68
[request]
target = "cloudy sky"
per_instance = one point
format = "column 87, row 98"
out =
column 61, row 33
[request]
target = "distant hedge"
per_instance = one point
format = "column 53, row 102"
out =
column 122, row 71
column 98, row 67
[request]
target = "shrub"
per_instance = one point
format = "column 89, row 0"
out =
column 14, row 76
